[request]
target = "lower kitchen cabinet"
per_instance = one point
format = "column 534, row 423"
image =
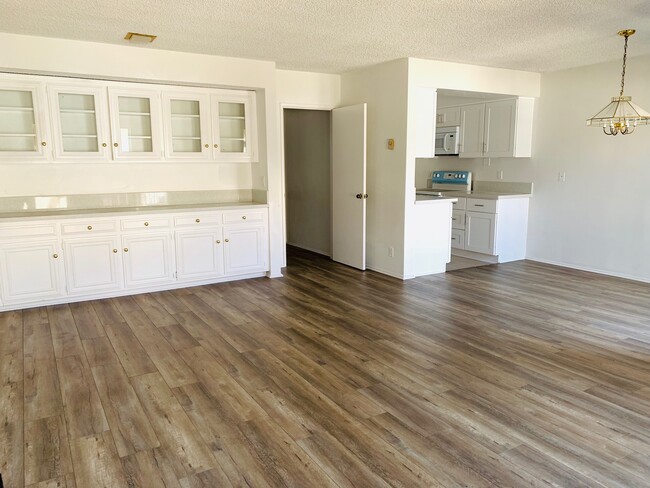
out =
column 148, row 260
column 93, row 264
column 244, row 249
column 199, row 254
column 30, row 271
column 479, row 232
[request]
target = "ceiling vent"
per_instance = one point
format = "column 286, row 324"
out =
column 137, row 38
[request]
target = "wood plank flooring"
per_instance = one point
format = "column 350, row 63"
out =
column 512, row 375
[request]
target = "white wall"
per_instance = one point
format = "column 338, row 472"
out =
column 384, row 88
column 599, row 219
column 29, row 54
column 308, row 179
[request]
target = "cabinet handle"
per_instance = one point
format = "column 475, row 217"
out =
column 55, row 256
column 216, row 146
column 43, row 143
column 146, row 224
column 207, row 146
column 226, row 240
column 218, row 241
column 90, row 227
column 479, row 205
column 114, row 251
column 197, row 220
column 115, row 144
column 126, row 249
column 243, row 217
column 104, row 144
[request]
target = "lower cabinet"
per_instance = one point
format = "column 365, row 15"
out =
column 30, row 271
column 148, row 260
column 479, row 232
column 244, row 249
column 199, row 254
column 93, row 264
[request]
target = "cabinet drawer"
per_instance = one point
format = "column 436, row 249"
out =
column 481, row 205
column 458, row 239
column 458, row 219
column 89, row 227
column 234, row 217
column 460, row 204
column 46, row 229
column 142, row 223
column 198, row 219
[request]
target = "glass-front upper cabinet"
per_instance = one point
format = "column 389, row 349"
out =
column 23, row 129
column 187, row 126
column 233, row 116
column 79, row 122
column 136, row 124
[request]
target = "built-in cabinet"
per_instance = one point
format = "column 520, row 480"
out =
column 62, row 260
column 63, row 120
column 497, row 129
column 492, row 230
column 448, row 117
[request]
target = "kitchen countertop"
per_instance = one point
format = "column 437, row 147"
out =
column 481, row 194
column 428, row 199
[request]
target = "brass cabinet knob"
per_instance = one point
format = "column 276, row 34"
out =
column 216, row 146
column 115, row 144
column 90, row 227
column 55, row 256
column 218, row 241
column 227, row 240
column 207, row 146
column 243, row 217
column 43, row 143
column 126, row 249
column 197, row 220
column 146, row 224
column 104, row 144
column 114, row 251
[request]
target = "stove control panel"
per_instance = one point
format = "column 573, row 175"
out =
column 451, row 178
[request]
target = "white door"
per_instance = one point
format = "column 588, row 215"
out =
column 147, row 260
column 480, row 232
column 92, row 264
column 30, row 271
column 471, row 131
column 244, row 249
column 349, row 185
column 199, row 254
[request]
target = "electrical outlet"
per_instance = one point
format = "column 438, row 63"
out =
column 391, row 252
column 561, row 176
column 500, row 175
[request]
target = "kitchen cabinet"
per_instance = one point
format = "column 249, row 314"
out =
column 199, row 254
column 148, row 259
column 187, row 126
column 24, row 132
column 80, row 126
column 233, row 129
column 448, row 117
column 136, row 124
column 497, row 129
column 479, row 232
column 244, row 249
column 93, row 264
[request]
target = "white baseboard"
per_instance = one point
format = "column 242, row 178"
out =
column 317, row 251
column 389, row 273
column 642, row 279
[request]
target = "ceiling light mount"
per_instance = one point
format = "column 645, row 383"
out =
column 621, row 116
column 137, row 38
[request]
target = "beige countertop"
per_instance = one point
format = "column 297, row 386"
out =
column 427, row 199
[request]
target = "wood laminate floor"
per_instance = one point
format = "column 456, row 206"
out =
column 516, row 375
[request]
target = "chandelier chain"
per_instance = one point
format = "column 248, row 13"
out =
column 624, row 62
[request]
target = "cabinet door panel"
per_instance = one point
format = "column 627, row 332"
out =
column 500, row 119
column 448, row 117
column 480, row 232
column 30, row 272
column 471, row 131
column 147, row 260
column 23, row 127
column 92, row 264
column 199, row 254
column 187, row 126
column 233, row 126
column 245, row 249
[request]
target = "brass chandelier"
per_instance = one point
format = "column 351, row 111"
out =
column 620, row 116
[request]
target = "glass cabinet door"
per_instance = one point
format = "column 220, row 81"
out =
column 135, row 120
column 80, row 123
column 233, row 125
column 22, row 131
column 187, row 125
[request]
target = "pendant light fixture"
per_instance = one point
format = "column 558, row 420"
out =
column 621, row 116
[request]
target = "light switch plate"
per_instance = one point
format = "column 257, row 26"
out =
column 391, row 144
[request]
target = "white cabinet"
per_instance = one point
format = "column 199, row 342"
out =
column 244, row 248
column 147, row 259
column 199, row 254
column 80, row 125
column 135, row 124
column 24, row 132
column 234, row 132
column 187, row 124
column 479, row 232
column 93, row 264
column 448, row 117
column 498, row 129
column 30, row 271
column 457, row 239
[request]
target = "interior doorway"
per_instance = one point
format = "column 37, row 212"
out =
column 308, row 179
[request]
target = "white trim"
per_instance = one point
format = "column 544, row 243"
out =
column 603, row 272
column 295, row 106
column 310, row 249
column 389, row 273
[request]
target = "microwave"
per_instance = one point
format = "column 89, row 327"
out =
column 447, row 140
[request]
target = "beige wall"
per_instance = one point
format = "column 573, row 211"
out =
column 308, row 179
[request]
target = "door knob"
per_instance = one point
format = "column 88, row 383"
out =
column 359, row 196
column 365, row 195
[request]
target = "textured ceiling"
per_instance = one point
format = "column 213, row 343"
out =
column 339, row 35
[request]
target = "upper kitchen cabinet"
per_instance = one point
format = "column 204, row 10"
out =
column 135, row 124
column 79, row 122
column 233, row 126
column 23, row 125
column 448, row 117
column 497, row 129
column 187, row 124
